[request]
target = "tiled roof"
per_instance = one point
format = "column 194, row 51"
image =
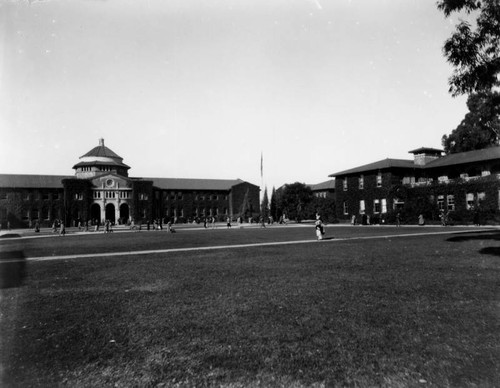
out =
column 426, row 150
column 99, row 163
column 380, row 165
column 328, row 185
column 491, row 153
column 483, row 155
column 32, row 181
column 55, row 181
column 102, row 151
column 194, row 184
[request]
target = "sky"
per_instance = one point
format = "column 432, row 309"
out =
column 203, row 88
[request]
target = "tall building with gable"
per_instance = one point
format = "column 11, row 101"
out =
column 101, row 189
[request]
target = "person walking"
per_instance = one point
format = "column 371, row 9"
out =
column 421, row 221
column 228, row 222
column 319, row 229
column 62, row 230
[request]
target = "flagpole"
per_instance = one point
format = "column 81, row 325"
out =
column 261, row 194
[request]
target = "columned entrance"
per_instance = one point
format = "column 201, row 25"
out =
column 110, row 213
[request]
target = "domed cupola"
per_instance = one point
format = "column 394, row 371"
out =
column 100, row 160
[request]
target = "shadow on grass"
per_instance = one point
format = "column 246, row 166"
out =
column 495, row 236
column 475, row 236
column 495, row 251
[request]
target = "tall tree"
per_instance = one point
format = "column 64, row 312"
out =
column 474, row 48
column 273, row 207
column 481, row 126
column 294, row 199
column 264, row 206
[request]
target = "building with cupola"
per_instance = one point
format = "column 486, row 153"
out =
column 101, row 189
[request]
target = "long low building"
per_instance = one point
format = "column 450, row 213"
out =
column 102, row 190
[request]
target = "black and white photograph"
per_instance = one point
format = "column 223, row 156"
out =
column 249, row 193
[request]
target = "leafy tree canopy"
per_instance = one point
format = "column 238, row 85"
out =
column 294, row 198
column 481, row 126
column 473, row 49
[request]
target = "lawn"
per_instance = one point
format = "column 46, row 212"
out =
column 350, row 311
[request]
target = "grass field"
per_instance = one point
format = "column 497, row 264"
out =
column 373, row 306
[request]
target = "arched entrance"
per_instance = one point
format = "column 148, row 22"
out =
column 95, row 213
column 110, row 212
column 124, row 213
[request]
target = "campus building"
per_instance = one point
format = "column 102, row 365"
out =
column 101, row 189
column 430, row 184
column 324, row 189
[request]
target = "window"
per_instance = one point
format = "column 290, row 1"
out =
column 408, row 180
column 45, row 196
column 79, row 196
column 362, row 206
column 398, row 203
column 97, row 194
column 179, row 195
column 55, row 196
column 124, row 194
column 440, row 202
column 346, row 208
column 143, row 197
column 481, row 196
column 344, row 184
column 469, row 200
column 384, row 205
column 109, row 194
column 361, row 181
column 379, row 179
column 451, row 202
column 3, row 195
column 376, row 206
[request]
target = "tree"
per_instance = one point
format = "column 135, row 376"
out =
column 273, row 207
column 481, row 126
column 264, row 207
column 294, row 198
column 325, row 207
column 473, row 50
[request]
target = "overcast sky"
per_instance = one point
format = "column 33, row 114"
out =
column 199, row 88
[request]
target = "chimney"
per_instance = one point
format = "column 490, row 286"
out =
column 101, row 142
column 424, row 155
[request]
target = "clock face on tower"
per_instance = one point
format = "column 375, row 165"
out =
column 109, row 182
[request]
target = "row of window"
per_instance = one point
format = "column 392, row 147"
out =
column 112, row 194
column 406, row 180
column 30, row 196
column 361, row 182
column 444, row 202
